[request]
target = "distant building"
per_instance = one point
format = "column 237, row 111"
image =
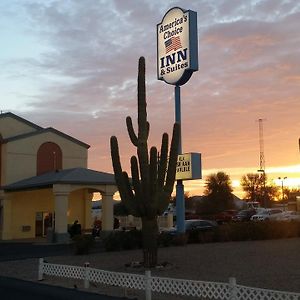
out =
column 45, row 183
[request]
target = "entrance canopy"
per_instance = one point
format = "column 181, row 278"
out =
column 78, row 176
column 57, row 192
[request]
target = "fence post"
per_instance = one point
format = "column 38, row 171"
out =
column 41, row 269
column 232, row 286
column 148, row 284
column 86, row 275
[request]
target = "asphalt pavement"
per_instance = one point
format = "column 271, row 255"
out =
column 12, row 289
column 32, row 249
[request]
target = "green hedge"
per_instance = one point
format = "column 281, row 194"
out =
column 240, row 231
column 243, row 231
column 123, row 240
column 83, row 243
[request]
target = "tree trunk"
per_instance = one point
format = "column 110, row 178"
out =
column 150, row 235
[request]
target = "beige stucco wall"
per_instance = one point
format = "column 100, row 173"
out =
column 76, row 209
column 10, row 127
column 19, row 157
column 24, row 206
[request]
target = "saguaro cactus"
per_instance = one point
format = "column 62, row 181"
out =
column 152, row 178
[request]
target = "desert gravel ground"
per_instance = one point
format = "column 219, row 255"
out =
column 272, row 264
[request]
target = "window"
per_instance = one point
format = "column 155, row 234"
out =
column 49, row 158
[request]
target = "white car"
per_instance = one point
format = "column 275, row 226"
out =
column 290, row 216
column 267, row 214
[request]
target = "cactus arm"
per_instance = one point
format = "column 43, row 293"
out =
column 171, row 173
column 117, row 167
column 153, row 170
column 148, row 130
column 137, row 185
column 162, row 202
column 122, row 179
column 135, row 176
column 163, row 196
column 130, row 200
column 144, row 171
column 163, row 161
column 132, row 135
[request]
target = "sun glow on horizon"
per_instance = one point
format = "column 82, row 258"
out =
column 292, row 172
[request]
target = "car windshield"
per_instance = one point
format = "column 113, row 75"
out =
column 294, row 213
column 243, row 212
column 262, row 212
column 190, row 224
column 197, row 223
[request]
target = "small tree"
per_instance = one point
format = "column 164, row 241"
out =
column 152, row 180
column 252, row 184
column 257, row 188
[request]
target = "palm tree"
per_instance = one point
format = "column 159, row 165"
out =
column 218, row 191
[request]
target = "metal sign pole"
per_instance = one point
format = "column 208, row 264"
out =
column 177, row 59
column 180, row 205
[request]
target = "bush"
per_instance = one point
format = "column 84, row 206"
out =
column 112, row 242
column 240, row 231
column 165, row 239
column 118, row 240
column 83, row 243
column 243, row 231
column 180, row 239
column 131, row 239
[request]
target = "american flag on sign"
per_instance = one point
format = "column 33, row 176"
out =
column 173, row 44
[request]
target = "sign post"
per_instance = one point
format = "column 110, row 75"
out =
column 177, row 59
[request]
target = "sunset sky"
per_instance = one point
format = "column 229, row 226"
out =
column 72, row 65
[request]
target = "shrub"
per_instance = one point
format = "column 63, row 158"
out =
column 180, row 239
column 200, row 236
column 165, row 239
column 283, row 229
column 83, row 243
column 118, row 240
column 131, row 239
column 193, row 236
column 243, row 231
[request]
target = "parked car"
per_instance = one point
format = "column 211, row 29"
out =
column 203, row 225
column 289, row 216
column 267, row 214
column 225, row 216
column 253, row 204
column 194, row 224
column 244, row 215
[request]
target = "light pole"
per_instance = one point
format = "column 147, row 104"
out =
column 282, row 191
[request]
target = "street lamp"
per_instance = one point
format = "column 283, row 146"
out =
column 282, row 180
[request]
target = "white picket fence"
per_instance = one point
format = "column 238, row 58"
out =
column 148, row 283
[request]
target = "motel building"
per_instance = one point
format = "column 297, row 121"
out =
column 45, row 184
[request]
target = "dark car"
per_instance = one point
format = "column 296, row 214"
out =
column 202, row 225
column 195, row 224
column 244, row 215
column 225, row 216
